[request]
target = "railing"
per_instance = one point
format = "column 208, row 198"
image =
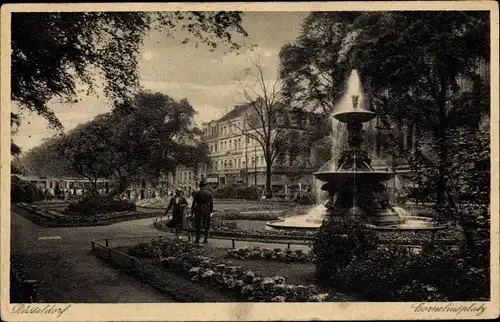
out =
column 105, row 250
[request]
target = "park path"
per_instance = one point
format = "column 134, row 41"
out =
column 61, row 259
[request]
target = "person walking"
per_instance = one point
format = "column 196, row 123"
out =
column 178, row 204
column 202, row 208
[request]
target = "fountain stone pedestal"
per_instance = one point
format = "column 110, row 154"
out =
column 356, row 190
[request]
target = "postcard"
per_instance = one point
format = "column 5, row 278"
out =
column 250, row 161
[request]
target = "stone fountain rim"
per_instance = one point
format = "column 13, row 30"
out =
column 374, row 227
column 405, row 228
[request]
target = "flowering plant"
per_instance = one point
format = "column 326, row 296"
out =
column 277, row 254
column 233, row 280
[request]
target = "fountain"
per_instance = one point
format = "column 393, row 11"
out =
column 354, row 187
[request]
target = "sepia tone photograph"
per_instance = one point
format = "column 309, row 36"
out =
column 242, row 157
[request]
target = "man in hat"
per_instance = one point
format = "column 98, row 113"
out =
column 178, row 204
column 202, row 209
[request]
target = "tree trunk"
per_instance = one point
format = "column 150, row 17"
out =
column 123, row 183
column 269, row 174
column 441, row 132
column 93, row 189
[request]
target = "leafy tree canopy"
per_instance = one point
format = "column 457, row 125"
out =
column 147, row 136
column 52, row 52
column 403, row 60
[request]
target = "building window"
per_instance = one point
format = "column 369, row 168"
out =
column 280, row 119
column 262, row 160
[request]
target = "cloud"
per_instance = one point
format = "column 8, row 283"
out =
column 266, row 57
column 207, row 79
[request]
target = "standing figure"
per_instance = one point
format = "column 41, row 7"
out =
column 202, row 208
column 178, row 204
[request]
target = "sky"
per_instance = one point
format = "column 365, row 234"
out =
column 207, row 79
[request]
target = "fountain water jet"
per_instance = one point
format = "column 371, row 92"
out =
column 355, row 189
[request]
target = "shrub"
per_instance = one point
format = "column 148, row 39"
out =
column 397, row 273
column 306, row 199
column 92, row 205
column 157, row 249
column 236, row 215
column 24, row 192
column 225, row 192
column 236, row 191
column 338, row 242
column 235, row 281
column 277, row 254
column 249, row 193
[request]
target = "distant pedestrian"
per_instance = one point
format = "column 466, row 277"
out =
column 202, row 209
column 178, row 205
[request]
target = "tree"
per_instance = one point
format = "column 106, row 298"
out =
column 153, row 135
column 311, row 76
column 85, row 149
column 53, row 51
column 305, row 147
column 424, row 70
column 263, row 108
column 412, row 73
column 45, row 160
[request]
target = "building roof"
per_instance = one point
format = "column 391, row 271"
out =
column 235, row 112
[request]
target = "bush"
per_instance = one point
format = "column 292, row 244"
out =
column 306, row 199
column 24, row 192
column 236, row 215
column 397, row 273
column 183, row 259
column 277, row 254
column 338, row 242
column 92, row 205
column 235, row 191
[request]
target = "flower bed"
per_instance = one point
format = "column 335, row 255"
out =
column 47, row 217
column 157, row 249
column 96, row 205
column 270, row 202
column 224, row 228
column 228, row 279
column 155, row 203
column 238, row 215
column 276, row 254
column 51, row 202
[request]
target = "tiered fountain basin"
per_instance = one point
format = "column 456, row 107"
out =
column 409, row 224
column 356, row 188
column 338, row 178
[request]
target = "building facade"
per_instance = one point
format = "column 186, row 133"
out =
column 238, row 158
column 76, row 186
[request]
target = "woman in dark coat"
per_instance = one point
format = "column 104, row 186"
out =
column 178, row 204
